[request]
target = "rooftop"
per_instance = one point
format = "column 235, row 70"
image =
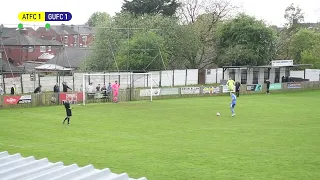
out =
column 25, row 40
column 70, row 29
column 6, row 32
column 70, row 57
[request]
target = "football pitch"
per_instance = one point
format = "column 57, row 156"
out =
column 273, row 136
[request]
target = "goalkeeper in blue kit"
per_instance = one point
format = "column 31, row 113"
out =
column 233, row 104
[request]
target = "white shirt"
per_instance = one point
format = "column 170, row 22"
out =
column 90, row 89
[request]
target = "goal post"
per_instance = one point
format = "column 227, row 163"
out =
column 95, row 87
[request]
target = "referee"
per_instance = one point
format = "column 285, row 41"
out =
column 68, row 111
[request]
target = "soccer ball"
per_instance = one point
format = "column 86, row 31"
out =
column 218, row 114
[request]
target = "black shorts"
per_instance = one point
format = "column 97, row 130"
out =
column 68, row 111
column 237, row 90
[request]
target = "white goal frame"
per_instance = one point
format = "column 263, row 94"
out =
column 114, row 74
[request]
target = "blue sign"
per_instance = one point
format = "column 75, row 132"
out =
column 294, row 85
column 58, row 16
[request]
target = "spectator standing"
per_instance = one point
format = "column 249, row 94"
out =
column 65, row 87
column 56, row 88
column 1, row 90
column 268, row 86
column 238, row 89
column 13, row 89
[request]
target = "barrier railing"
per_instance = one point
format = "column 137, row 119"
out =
column 51, row 99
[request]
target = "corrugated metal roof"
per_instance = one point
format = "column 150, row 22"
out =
column 53, row 67
column 14, row 167
column 46, row 56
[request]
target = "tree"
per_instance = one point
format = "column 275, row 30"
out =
column 141, row 7
column 312, row 56
column 303, row 40
column 202, row 18
column 293, row 15
column 190, row 10
column 98, row 18
column 131, row 39
column 141, row 58
column 244, row 41
column 102, row 56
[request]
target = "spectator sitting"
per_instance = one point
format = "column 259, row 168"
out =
column 90, row 88
column 104, row 90
column 98, row 88
column 38, row 89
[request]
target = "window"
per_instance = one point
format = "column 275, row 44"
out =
column 84, row 38
column 244, row 75
column 232, row 74
column 43, row 49
column 30, row 49
column 255, row 79
column 75, row 37
column 49, row 48
column 266, row 74
column 277, row 75
column 66, row 39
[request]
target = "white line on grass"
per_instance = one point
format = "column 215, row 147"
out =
column 46, row 144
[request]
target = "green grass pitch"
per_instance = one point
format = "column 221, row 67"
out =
column 273, row 136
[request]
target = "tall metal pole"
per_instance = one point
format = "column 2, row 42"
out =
column 1, row 51
column 128, row 59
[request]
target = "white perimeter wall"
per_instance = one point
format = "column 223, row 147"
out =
column 166, row 78
column 215, row 75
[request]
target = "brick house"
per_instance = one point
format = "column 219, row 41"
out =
column 22, row 47
column 69, row 35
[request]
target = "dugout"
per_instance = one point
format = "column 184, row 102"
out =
column 277, row 72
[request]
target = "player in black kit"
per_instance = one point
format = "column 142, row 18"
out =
column 68, row 111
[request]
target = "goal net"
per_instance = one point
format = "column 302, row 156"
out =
column 102, row 87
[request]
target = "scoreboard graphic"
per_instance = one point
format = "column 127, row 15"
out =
column 43, row 17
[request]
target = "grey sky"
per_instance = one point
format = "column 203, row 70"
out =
column 271, row 11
